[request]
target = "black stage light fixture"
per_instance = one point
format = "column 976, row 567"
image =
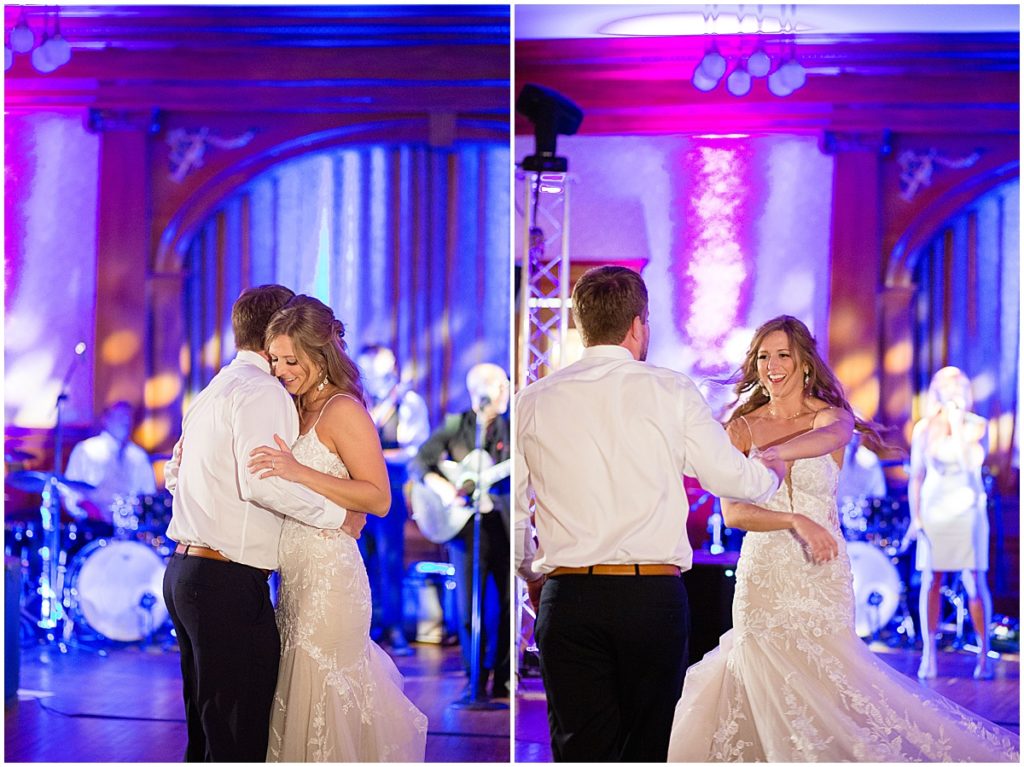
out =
column 551, row 114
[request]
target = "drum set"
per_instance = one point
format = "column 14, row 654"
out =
column 874, row 529
column 86, row 581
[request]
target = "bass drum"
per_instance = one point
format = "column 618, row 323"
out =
column 117, row 589
column 876, row 587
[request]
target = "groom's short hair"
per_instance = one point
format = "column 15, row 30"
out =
column 252, row 312
column 604, row 302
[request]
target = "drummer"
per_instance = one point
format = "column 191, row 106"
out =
column 119, row 469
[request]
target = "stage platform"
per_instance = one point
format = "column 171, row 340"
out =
column 998, row 700
column 126, row 707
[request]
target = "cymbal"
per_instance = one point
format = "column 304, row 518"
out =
column 35, row 481
column 13, row 455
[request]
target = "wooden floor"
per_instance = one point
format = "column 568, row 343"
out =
column 997, row 700
column 126, row 707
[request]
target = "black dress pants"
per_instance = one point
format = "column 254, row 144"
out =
column 613, row 654
column 230, row 651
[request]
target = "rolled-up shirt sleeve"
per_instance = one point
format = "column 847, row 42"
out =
column 526, row 547
column 266, row 412
column 714, row 460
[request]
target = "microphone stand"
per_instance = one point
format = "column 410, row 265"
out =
column 474, row 701
column 51, row 579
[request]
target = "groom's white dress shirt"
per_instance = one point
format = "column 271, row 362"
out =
column 603, row 444
column 217, row 502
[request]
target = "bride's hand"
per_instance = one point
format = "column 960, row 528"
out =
column 821, row 545
column 355, row 521
column 268, row 462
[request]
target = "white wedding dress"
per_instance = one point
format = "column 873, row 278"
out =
column 339, row 696
column 792, row 681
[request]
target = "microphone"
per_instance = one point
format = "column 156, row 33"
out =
column 80, row 348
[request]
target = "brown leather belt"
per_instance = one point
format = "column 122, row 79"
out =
column 617, row 570
column 188, row 550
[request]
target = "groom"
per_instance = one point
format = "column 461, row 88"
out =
column 227, row 525
column 602, row 445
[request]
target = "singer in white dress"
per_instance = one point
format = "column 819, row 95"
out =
column 949, row 514
column 792, row 681
column 339, row 696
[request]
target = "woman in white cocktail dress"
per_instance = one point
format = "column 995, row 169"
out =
column 948, row 509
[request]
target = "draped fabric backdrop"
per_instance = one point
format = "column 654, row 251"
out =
column 407, row 243
column 968, row 315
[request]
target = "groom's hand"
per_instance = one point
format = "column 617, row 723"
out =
column 354, row 523
column 533, row 588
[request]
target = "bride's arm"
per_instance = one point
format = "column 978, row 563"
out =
column 753, row 518
column 832, row 430
column 347, row 430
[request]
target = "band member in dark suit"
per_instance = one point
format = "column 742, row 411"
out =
column 400, row 415
column 486, row 425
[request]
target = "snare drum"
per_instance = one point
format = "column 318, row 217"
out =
column 116, row 589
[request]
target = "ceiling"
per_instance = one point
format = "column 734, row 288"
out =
column 539, row 22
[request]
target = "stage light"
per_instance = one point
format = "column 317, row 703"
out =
column 551, row 114
column 8, row 58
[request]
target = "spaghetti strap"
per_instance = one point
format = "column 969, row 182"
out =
column 814, row 420
column 749, row 430
column 328, row 402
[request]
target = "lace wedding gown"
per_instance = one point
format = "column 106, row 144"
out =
column 339, row 696
column 792, row 681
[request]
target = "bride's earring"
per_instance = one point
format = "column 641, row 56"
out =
column 807, row 377
column 320, row 386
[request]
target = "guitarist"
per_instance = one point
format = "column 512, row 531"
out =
column 402, row 422
column 486, row 425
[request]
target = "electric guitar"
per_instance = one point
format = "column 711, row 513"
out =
column 440, row 519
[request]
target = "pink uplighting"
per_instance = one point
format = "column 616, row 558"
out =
column 716, row 269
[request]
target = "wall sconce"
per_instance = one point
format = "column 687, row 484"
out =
column 52, row 52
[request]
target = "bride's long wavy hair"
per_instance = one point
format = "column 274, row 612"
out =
column 318, row 336
column 821, row 382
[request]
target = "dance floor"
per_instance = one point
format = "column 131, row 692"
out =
column 997, row 700
column 126, row 707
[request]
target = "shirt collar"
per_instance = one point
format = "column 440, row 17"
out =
column 607, row 351
column 247, row 357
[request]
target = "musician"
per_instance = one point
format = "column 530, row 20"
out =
column 400, row 415
column 486, row 425
column 119, row 469
column 861, row 477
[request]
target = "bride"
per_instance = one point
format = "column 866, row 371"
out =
column 339, row 696
column 792, row 682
